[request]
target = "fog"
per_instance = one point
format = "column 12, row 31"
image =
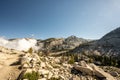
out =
column 18, row 44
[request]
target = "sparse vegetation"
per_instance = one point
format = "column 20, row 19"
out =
column 71, row 60
column 30, row 50
column 31, row 76
column 106, row 60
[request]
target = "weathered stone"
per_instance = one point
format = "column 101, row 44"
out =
column 50, row 74
column 28, row 70
column 82, row 63
column 62, row 77
column 114, row 73
column 48, row 65
column 85, row 70
column 57, row 60
column 100, row 73
column 42, row 64
column 43, row 71
column 42, row 79
column 25, row 59
column 75, row 78
column 25, row 65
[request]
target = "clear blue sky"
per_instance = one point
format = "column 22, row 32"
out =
column 89, row 19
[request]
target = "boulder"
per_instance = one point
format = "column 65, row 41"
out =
column 83, row 63
column 42, row 65
column 25, row 65
column 48, row 65
column 75, row 78
column 28, row 70
column 100, row 73
column 92, row 69
column 43, row 71
column 50, row 74
column 114, row 73
column 25, row 59
column 35, row 56
column 57, row 60
column 85, row 70
column 42, row 79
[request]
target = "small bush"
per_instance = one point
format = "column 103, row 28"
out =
column 71, row 60
column 105, row 60
column 31, row 76
column 30, row 50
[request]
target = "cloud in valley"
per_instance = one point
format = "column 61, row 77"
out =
column 18, row 44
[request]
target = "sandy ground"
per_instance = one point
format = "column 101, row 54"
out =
column 8, row 72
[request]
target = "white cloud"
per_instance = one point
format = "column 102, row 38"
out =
column 18, row 44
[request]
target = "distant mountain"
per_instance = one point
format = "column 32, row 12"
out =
column 58, row 44
column 110, row 43
column 73, row 40
column 107, row 45
column 111, row 39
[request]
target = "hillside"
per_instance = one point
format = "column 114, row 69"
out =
column 69, row 58
column 107, row 45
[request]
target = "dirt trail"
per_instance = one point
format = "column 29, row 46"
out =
column 8, row 72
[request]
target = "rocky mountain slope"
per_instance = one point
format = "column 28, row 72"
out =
column 51, row 44
column 38, row 66
column 111, row 42
column 58, row 44
column 107, row 45
column 62, row 62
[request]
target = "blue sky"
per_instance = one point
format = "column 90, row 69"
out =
column 89, row 19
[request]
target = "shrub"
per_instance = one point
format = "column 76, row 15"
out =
column 31, row 76
column 30, row 50
column 105, row 60
column 71, row 60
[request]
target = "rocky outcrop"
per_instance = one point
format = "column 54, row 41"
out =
column 48, row 67
column 54, row 68
column 93, row 70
